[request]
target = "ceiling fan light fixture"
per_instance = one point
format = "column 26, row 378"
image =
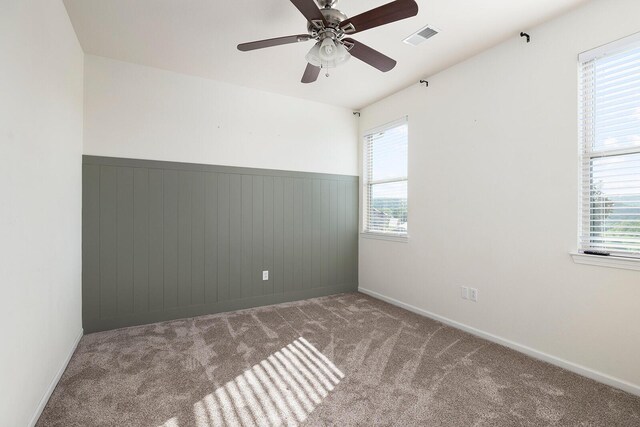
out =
column 327, row 54
column 327, row 49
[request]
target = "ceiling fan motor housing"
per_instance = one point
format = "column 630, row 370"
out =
column 333, row 17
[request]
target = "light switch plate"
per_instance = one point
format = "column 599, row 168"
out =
column 265, row 275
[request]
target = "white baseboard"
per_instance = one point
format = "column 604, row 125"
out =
column 54, row 382
column 570, row 366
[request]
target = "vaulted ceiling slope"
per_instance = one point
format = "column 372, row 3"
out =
column 199, row 37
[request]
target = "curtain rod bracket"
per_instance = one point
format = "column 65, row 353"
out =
column 523, row 34
column 356, row 113
column 426, row 83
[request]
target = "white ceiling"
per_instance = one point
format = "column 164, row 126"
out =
column 199, row 37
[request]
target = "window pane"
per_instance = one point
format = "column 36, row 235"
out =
column 616, row 94
column 388, row 207
column 388, row 154
column 615, row 203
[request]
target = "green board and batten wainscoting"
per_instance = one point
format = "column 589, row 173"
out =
column 166, row 240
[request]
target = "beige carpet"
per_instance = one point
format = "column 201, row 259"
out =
column 342, row 360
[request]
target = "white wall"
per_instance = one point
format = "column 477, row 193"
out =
column 40, row 182
column 147, row 113
column 493, row 199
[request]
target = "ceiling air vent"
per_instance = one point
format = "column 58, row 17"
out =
column 421, row 35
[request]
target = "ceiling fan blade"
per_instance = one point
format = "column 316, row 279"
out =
column 310, row 10
column 260, row 44
column 371, row 56
column 310, row 74
column 390, row 12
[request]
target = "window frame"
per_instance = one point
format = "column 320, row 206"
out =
column 588, row 154
column 367, row 184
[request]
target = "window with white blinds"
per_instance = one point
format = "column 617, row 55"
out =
column 385, row 179
column 610, row 149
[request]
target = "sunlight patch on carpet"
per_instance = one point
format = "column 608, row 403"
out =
column 173, row 422
column 282, row 389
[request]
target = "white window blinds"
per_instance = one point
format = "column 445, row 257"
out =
column 610, row 149
column 385, row 179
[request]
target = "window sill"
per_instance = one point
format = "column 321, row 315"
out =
column 606, row 261
column 388, row 237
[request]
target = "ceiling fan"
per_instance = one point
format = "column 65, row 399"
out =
column 329, row 27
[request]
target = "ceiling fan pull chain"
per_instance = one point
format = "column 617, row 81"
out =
column 326, row 68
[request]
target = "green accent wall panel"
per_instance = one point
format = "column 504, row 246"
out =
column 108, row 242
column 223, row 239
column 91, row 243
column 307, row 229
column 235, row 236
column 167, row 240
column 210, row 220
column 277, row 235
column 170, row 243
column 197, row 240
column 257, row 236
column 155, row 209
column 246, row 213
column 140, row 240
column 268, row 248
column 298, row 228
column 124, row 240
column 288, row 233
column 185, row 186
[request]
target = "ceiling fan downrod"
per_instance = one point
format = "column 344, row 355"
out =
column 327, row 3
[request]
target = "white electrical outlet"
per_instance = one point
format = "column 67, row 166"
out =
column 265, row 275
column 465, row 292
column 473, row 294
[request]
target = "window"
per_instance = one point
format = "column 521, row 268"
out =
column 610, row 148
column 385, row 179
